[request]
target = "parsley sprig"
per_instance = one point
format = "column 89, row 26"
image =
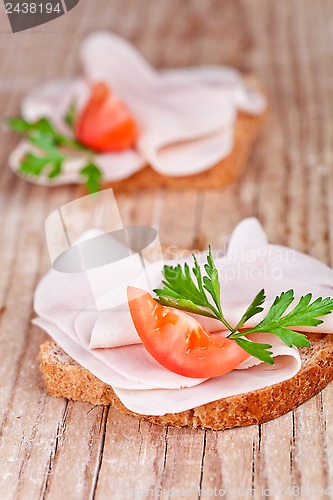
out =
column 53, row 148
column 192, row 292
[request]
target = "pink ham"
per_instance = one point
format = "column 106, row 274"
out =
column 160, row 402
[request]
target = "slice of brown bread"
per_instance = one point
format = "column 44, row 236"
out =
column 65, row 378
column 219, row 175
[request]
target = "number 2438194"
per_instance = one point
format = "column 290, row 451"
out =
column 33, row 8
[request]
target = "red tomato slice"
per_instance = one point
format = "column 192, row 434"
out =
column 105, row 123
column 179, row 342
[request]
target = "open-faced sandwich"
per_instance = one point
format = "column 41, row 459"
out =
column 237, row 340
column 123, row 120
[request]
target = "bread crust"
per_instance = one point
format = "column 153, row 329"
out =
column 66, row 378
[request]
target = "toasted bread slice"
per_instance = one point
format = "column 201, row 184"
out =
column 219, row 175
column 66, row 378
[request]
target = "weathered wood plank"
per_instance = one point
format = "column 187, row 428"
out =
column 226, row 454
column 140, row 446
column 79, row 444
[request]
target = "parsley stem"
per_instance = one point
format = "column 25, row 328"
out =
column 224, row 321
column 235, row 335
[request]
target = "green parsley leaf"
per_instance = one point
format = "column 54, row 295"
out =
column 44, row 142
column 256, row 349
column 189, row 296
column 305, row 313
column 253, row 309
column 44, row 128
column 179, row 284
column 211, row 281
column 70, row 116
column 33, row 165
column 56, row 170
column 93, row 177
column 19, row 125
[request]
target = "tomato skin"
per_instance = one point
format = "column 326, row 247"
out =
column 179, row 342
column 105, row 124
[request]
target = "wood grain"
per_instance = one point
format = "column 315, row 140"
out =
column 56, row 449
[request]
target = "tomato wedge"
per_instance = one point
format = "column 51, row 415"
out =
column 105, row 123
column 179, row 342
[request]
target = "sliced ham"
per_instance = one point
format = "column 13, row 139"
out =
column 160, row 402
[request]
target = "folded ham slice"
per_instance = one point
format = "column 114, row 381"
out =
column 106, row 343
column 186, row 117
column 160, row 402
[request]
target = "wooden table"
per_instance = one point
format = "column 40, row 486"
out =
column 58, row 449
